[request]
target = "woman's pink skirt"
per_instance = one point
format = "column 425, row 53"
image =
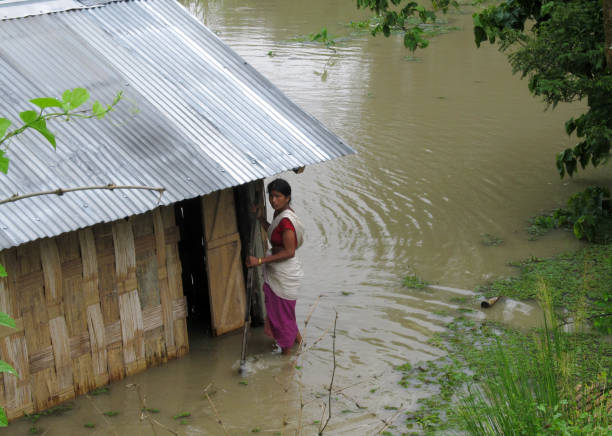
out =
column 281, row 318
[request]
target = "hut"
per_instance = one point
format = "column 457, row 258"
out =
column 101, row 282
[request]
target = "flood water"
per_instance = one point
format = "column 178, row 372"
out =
column 450, row 147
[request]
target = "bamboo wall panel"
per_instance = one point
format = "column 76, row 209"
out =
column 148, row 284
column 90, row 307
column 61, row 353
column 97, row 342
column 52, row 273
column 33, row 311
column 164, row 287
column 17, row 390
column 132, row 332
column 89, row 259
column 75, row 307
column 109, row 299
column 125, row 256
column 173, row 268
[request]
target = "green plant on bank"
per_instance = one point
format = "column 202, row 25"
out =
column 588, row 214
column 538, row 392
column 498, row 381
column 577, row 281
column 67, row 108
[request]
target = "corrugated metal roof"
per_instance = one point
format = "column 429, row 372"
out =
column 195, row 117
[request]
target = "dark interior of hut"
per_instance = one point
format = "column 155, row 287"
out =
column 193, row 261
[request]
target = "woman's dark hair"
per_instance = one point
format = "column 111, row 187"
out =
column 280, row 185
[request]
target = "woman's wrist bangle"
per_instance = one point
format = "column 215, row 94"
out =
column 259, row 261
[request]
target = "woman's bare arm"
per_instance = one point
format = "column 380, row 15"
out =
column 284, row 253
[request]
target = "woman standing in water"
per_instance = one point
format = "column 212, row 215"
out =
column 282, row 270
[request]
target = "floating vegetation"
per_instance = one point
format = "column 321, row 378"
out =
column 413, row 282
column 346, row 293
column 55, row 411
column 405, row 367
column 111, row 413
column 321, row 37
column 99, row 391
column 490, row 240
column 33, row 417
column 150, row 410
column 441, row 312
column 182, row 415
column 439, row 27
column 89, row 425
column 243, row 382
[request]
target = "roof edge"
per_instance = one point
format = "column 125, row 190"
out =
column 14, row 9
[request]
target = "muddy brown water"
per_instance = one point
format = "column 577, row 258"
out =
column 450, row 147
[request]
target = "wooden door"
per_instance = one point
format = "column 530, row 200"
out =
column 223, row 261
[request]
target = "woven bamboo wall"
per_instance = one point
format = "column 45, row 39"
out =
column 91, row 306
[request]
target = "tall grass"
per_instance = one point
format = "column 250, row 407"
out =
column 536, row 389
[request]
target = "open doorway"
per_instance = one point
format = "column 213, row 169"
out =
column 193, row 261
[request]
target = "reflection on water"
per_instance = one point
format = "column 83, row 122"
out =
column 450, row 147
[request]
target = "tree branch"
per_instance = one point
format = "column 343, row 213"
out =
column 331, row 383
column 62, row 191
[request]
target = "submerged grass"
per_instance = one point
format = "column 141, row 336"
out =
column 414, row 282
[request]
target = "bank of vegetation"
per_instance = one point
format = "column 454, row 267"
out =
column 554, row 380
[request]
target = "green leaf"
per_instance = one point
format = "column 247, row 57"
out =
column 6, row 320
column 4, row 124
column 546, row 8
column 66, row 97
column 2, row 271
column 4, row 163
column 5, row 367
column 78, row 97
column 3, row 418
column 41, row 128
column 98, row 110
column 118, row 97
column 46, row 102
column 28, row 116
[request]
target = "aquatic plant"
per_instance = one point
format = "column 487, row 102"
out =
column 490, row 240
column 413, row 282
column 575, row 280
column 535, row 392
